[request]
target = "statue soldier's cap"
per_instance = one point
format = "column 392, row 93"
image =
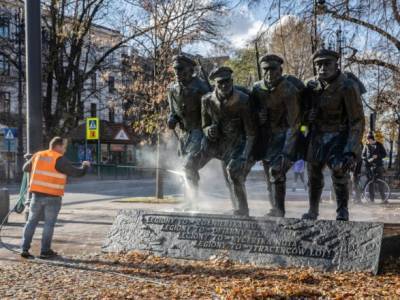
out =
column 325, row 54
column 271, row 60
column 221, row 73
column 182, row 60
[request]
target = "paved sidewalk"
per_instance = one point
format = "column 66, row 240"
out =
column 82, row 227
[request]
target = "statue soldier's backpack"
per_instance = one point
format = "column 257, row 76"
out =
column 295, row 81
column 354, row 78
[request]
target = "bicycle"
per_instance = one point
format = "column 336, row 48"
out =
column 377, row 182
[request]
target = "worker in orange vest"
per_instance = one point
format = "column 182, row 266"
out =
column 48, row 175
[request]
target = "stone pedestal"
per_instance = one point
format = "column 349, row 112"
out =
column 323, row 244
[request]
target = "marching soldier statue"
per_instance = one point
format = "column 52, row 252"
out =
column 184, row 97
column 336, row 123
column 276, row 102
column 229, row 134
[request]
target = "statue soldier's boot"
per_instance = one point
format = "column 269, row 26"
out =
column 278, row 194
column 315, row 186
column 239, row 200
column 314, row 195
column 268, row 182
column 342, row 198
column 237, row 189
column 340, row 182
column 228, row 184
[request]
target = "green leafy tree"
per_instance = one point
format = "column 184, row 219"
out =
column 244, row 66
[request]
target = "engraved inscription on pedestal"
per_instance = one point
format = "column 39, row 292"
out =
column 327, row 245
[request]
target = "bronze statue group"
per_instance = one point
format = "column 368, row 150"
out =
column 240, row 127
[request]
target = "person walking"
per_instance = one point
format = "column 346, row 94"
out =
column 48, row 176
column 298, row 169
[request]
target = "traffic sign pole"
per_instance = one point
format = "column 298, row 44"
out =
column 93, row 133
column 9, row 136
column 98, row 157
column 8, row 159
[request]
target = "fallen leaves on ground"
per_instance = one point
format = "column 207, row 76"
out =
column 142, row 276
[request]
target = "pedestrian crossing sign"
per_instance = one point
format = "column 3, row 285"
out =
column 92, row 128
column 9, row 134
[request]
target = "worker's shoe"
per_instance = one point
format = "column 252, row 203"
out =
column 48, row 254
column 25, row 254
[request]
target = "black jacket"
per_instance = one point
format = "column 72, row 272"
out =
column 378, row 150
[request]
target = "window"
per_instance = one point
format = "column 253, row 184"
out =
column 4, row 66
column 111, row 84
column 111, row 115
column 4, row 26
column 5, row 102
column 93, row 110
column 93, row 82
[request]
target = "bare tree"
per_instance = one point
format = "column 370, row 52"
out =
column 379, row 21
column 74, row 51
column 371, row 47
column 290, row 38
column 176, row 24
column 71, row 57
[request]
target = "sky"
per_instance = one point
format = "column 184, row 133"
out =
column 242, row 25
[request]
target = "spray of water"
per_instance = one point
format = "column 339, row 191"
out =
column 189, row 192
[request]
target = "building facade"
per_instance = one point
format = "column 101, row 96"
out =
column 99, row 93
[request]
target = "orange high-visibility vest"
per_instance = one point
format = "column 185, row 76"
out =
column 45, row 178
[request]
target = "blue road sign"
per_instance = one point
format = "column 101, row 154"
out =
column 10, row 133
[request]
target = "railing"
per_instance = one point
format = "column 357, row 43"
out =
column 114, row 171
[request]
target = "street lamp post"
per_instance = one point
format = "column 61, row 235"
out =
column 20, row 149
column 33, row 75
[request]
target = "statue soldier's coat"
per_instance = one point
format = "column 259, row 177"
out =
column 184, row 96
column 336, row 123
column 229, row 134
column 276, row 102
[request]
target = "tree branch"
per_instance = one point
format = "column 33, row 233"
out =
column 376, row 62
column 365, row 24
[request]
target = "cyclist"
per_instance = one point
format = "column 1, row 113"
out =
column 373, row 154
